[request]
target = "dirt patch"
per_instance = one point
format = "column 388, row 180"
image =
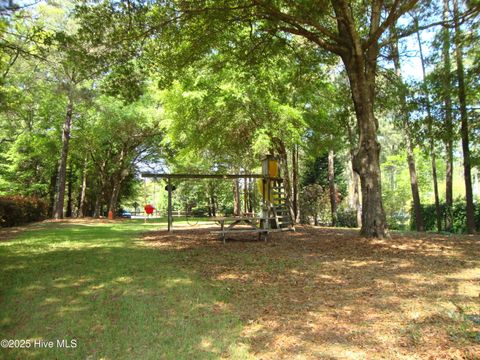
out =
column 11, row 232
column 329, row 294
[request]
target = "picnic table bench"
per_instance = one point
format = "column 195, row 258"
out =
column 250, row 222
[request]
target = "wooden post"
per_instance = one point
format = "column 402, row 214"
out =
column 169, row 210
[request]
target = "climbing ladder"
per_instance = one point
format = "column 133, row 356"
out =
column 278, row 209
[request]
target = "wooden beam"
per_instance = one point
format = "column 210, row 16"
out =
column 205, row 176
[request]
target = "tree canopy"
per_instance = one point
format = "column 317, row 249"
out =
column 368, row 102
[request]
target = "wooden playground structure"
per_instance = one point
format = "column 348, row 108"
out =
column 275, row 211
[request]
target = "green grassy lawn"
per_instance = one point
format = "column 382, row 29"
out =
column 119, row 300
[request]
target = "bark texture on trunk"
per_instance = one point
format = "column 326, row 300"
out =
column 464, row 122
column 447, row 87
column 360, row 62
column 417, row 206
column 62, row 168
column 331, row 186
column 112, row 205
column 366, row 160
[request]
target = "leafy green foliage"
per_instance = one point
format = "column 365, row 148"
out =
column 19, row 210
column 458, row 215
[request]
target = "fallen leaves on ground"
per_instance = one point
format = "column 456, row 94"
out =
column 328, row 293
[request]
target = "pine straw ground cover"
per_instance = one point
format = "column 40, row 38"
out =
column 322, row 293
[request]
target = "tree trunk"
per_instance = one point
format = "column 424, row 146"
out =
column 366, row 160
column 356, row 198
column 438, row 212
column 52, row 190
column 282, row 152
column 212, row 202
column 464, row 123
column 209, row 202
column 417, row 206
column 237, row 206
column 448, row 121
column 114, row 197
column 83, row 191
column 250, row 196
column 355, row 202
column 360, row 61
column 331, row 186
column 245, row 196
column 62, row 169
column 96, row 212
column 69, row 193
column 295, row 195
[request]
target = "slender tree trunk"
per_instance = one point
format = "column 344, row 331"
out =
column 96, row 212
column 237, row 206
column 209, row 201
column 356, row 198
column 69, row 212
column 83, row 191
column 212, row 202
column 52, row 190
column 464, row 121
column 295, row 202
column 355, row 186
column 476, row 186
column 282, row 152
column 245, row 196
column 417, row 206
column 250, row 196
column 447, row 88
column 331, row 186
column 438, row 212
column 62, row 169
column 414, row 187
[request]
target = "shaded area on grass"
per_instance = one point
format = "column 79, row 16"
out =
column 326, row 293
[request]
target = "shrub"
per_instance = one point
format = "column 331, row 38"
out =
column 315, row 205
column 459, row 216
column 18, row 210
column 346, row 218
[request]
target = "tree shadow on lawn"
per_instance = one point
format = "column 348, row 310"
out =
column 117, row 299
column 326, row 293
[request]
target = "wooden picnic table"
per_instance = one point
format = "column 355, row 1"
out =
column 251, row 222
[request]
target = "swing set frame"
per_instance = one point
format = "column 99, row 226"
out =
column 274, row 200
column 187, row 176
